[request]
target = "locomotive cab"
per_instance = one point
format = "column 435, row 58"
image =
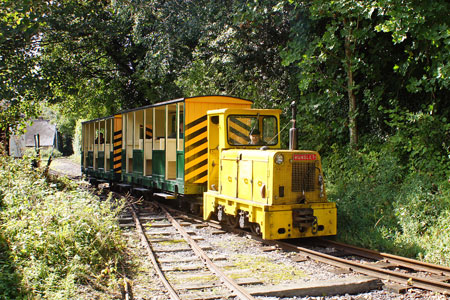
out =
column 253, row 183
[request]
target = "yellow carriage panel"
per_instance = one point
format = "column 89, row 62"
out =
column 196, row 140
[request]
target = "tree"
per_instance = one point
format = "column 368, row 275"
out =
column 422, row 30
column 165, row 50
column 20, row 84
column 346, row 53
column 328, row 45
column 239, row 54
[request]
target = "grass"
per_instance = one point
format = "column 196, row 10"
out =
column 57, row 240
column 267, row 270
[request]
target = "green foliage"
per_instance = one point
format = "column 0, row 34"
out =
column 424, row 28
column 397, row 52
column 88, row 59
column 240, row 55
column 76, row 142
column 44, row 153
column 128, row 54
column 20, row 84
column 421, row 138
column 9, row 278
column 59, row 237
column 385, row 202
column 363, row 185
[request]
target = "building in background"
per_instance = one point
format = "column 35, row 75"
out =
column 48, row 137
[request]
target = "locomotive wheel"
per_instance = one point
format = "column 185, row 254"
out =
column 255, row 229
column 243, row 219
column 232, row 221
column 220, row 214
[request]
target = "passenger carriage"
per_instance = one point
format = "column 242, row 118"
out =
column 161, row 146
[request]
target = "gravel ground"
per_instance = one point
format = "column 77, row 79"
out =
column 273, row 267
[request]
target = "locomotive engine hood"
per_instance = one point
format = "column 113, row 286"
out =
column 275, row 176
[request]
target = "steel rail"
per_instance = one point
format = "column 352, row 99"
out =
column 126, row 286
column 173, row 294
column 230, row 283
column 376, row 271
column 407, row 279
column 403, row 261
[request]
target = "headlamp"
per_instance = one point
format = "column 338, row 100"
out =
column 279, row 158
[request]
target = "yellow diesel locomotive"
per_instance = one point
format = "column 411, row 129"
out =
column 218, row 155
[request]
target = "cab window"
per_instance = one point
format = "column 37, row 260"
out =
column 252, row 130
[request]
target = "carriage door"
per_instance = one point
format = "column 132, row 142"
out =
column 180, row 142
column 171, row 146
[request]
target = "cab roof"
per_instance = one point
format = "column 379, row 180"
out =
column 244, row 111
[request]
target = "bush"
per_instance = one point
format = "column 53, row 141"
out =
column 45, row 153
column 389, row 205
column 76, row 142
column 58, row 239
column 363, row 185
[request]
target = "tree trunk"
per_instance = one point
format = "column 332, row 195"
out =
column 352, row 124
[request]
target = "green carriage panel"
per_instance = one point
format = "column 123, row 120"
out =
column 159, row 162
column 124, row 161
column 111, row 161
column 138, row 162
column 180, row 165
column 101, row 160
column 90, row 159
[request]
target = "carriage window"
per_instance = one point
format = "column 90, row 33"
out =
column 252, row 130
column 172, row 126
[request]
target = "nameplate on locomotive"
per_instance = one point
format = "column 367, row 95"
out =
column 304, row 157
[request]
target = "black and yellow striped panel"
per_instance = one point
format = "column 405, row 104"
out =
column 196, row 151
column 238, row 129
column 118, row 144
column 148, row 132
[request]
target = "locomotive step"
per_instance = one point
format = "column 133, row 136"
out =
column 142, row 190
column 165, row 196
column 124, row 185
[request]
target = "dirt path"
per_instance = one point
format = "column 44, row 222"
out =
column 66, row 166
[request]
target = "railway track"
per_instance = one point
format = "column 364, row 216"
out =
column 401, row 270
column 399, row 273
column 165, row 229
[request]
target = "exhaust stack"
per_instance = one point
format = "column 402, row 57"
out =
column 293, row 133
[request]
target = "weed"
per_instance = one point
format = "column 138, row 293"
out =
column 172, row 242
column 57, row 237
column 266, row 269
